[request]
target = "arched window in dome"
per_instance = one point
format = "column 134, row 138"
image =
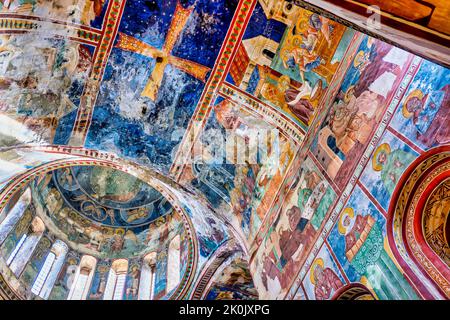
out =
column 173, row 264
column 83, row 278
column 115, row 284
column 147, row 279
column 24, row 249
column 49, row 272
column 14, row 215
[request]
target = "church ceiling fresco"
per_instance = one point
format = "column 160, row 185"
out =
column 155, row 103
column 87, row 236
column 415, row 25
column 110, row 197
column 259, row 123
column 289, row 63
column 365, row 205
column 104, row 216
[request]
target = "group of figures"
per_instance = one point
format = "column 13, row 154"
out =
column 390, row 108
column 48, row 247
column 314, row 211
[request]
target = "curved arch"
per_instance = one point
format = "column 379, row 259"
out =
column 222, row 253
column 353, row 291
column 25, row 247
column 85, row 157
column 422, row 265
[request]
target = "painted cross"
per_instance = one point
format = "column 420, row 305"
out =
column 164, row 56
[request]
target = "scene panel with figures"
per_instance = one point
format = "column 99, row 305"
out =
column 282, row 251
column 240, row 161
column 234, row 282
column 359, row 242
column 324, row 277
column 389, row 160
column 364, row 95
column 289, row 62
column 424, row 113
column 41, row 83
column 178, row 41
column 80, row 12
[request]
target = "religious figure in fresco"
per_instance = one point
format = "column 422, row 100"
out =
column 98, row 5
column 117, row 241
column 374, row 65
column 287, row 244
column 302, row 49
column 227, row 116
column 364, row 249
column 430, row 114
column 297, row 101
column 209, row 242
column 301, row 57
column 137, row 214
column 133, row 282
column 352, row 119
column 78, row 11
column 241, row 196
column 66, row 179
column 294, row 230
column 391, row 164
column 99, row 282
column 359, row 107
column 360, row 233
column 54, row 201
column 324, row 279
column 65, row 278
column 317, row 25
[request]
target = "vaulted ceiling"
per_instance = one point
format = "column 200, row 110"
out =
column 142, row 119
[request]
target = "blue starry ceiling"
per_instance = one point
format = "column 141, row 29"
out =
column 132, row 124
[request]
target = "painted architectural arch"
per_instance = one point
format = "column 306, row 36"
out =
column 226, row 149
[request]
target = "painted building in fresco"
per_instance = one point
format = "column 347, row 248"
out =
column 222, row 150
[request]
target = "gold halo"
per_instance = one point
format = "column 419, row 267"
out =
column 134, row 267
column 318, row 261
column 346, row 212
column 385, row 147
column 103, row 268
column 302, row 24
column 415, row 93
column 348, row 93
column 120, row 231
column 296, row 41
column 284, row 81
column 285, row 52
column 265, row 88
column 357, row 62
